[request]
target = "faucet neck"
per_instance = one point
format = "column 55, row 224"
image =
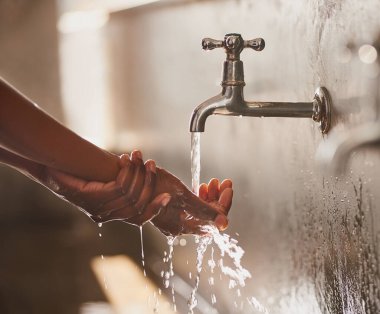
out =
column 233, row 73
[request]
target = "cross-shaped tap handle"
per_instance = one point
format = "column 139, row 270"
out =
column 233, row 44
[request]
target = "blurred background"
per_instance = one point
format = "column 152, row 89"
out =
column 126, row 74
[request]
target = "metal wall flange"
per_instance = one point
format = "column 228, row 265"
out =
column 322, row 109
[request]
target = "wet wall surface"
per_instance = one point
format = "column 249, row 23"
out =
column 310, row 238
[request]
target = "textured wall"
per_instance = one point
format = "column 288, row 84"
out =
column 310, row 239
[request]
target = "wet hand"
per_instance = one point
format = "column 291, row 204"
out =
column 186, row 213
column 129, row 197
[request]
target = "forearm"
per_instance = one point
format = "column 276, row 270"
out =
column 27, row 167
column 29, row 132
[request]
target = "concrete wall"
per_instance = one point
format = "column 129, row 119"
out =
column 310, row 239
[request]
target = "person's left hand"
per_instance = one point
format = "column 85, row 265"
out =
column 128, row 197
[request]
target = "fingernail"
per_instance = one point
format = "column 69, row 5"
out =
column 138, row 154
column 152, row 166
column 221, row 222
column 124, row 159
column 165, row 201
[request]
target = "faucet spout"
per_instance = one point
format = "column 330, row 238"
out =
column 231, row 100
column 204, row 110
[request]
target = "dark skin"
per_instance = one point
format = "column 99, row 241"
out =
column 103, row 185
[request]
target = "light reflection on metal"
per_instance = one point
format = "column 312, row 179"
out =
column 231, row 100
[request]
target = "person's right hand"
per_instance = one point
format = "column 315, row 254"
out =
column 186, row 213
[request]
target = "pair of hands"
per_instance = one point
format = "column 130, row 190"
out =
column 143, row 192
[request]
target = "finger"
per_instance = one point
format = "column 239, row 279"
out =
column 225, row 199
column 138, row 176
column 227, row 183
column 194, row 225
column 203, row 191
column 221, row 222
column 213, row 190
column 119, row 214
column 115, row 204
column 80, row 191
column 149, row 183
column 125, row 176
column 124, row 160
column 127, row 199
column 95, row 194
column 152, row 210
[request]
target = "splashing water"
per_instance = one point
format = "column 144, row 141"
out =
column 103, row 258
column 195, row 161
column 257, row 305
column 142, row 251
column 228, row 247
column 203, row 243
column 167, row 275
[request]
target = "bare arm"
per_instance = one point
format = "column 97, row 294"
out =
column 30, row 132
column 105, row 186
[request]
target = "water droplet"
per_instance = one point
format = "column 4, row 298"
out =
column 211, row 281
column 213, row 299
column 100, row 224
column 182, row 242
column 232, row 284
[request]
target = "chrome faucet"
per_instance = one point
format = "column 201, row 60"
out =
column 231, row 100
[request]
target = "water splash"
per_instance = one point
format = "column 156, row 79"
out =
column 203, row 243
column 237, row 274
column 229, row 247
column 257, row 305
column 167, row 275
column 142, row 251
column 103, row 258
column 195, row 161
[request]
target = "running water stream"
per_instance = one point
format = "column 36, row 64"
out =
column 195, row 161
column 227, row 256
column 102, row 256
column 228, row 247
column 142, row 250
